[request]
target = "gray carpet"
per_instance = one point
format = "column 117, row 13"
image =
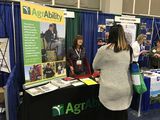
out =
column 151, row 115
column 2, row 116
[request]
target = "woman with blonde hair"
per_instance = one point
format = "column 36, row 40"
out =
column 136, row 47
column 115, row 92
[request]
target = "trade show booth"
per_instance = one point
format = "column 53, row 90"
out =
column 33, row 60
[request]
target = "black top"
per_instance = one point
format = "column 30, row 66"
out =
column 50, row 36
column 154, row 61
column 48, row 72
column 72, row 58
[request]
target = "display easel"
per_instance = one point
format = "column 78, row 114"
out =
column 3, row 57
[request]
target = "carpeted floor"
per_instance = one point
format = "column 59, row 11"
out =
column 2, row 117
column 2, row 114
column 151, row 115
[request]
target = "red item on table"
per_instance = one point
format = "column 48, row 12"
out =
column 96, row 74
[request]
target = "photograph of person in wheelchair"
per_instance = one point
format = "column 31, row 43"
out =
column 53, row 45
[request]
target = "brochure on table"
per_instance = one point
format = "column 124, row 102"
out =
column 154, row 76
column 59, row 83
column 43, row 34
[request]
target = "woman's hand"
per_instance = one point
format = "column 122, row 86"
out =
column 96, row 73
column 157, row 55
column 144, row 52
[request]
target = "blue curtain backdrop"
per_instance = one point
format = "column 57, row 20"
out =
column 12, row 95
column 89, row 21
column 103, row 16
column 156, row 32
column 102, row 20
column 19, row 46
column 6, row 30
column 143, row 60
column 149, row 23
column 13, row 81
column 89, row 32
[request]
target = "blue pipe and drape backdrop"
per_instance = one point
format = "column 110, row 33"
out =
column 12, row 94
column 89, row 32
column 156, row 31
column 149, row 22
column 102, row 21
column 6, row 31
column 15, row 79
column 19, row 46
column 87, row 21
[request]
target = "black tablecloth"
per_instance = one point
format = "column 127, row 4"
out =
column 77, row 103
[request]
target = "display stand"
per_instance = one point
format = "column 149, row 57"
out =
column 6, row 103
column 139, row 108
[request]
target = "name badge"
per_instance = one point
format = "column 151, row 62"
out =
column 79, row 62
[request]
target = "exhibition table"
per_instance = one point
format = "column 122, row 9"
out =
column 146, row 104
column 76, row 103
column 142, row 102
column 70, row 103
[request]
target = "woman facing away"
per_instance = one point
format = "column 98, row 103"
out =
column 115, row 92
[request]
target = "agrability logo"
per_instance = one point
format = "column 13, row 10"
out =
column 26, row 10
column 70, row 108
column 58, row 110
column 41, row 14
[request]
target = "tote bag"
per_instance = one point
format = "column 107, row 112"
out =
column 137, row 78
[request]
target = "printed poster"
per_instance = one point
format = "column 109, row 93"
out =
column 155, row 90
column 103, row 32
column 43, row 31
column 4, row 55
column 109, row 22
column 130, row 31
column 101, row 28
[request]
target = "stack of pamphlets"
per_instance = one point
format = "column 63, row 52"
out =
column 77, row 83
column 60, row 83
column 41, row 89
column 65, row 83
